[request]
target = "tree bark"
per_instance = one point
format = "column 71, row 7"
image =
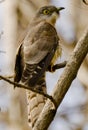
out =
column 64, row 83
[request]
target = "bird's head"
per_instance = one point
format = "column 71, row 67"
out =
column 49, row 13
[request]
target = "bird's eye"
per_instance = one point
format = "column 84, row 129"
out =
column 46, row 12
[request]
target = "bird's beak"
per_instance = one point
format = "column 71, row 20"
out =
column 60, row 8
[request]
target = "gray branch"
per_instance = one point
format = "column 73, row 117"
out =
column 64, row 83
column 6, row 78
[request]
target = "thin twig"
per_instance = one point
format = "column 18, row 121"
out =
column 60, row 65
column 9, row 77
column 57, row 66
column 29, row 88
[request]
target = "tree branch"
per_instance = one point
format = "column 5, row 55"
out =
column 26, row 87
column 58, row 66
column 64, row 83
column 6, row 78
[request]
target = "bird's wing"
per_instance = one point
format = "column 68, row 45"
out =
column 39, row 49
column 41, row 68
column 19, row 62
column 19, row 65
column 39, row 42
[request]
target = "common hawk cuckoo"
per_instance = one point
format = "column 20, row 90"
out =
column 37, row 53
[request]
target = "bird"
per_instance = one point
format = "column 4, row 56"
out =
column 38, row 50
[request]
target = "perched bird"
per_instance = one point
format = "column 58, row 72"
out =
column 37, row 53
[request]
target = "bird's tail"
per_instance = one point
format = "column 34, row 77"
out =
column 35, row 101
column 35, row 105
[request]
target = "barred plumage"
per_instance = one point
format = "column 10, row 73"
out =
column 38, row 50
